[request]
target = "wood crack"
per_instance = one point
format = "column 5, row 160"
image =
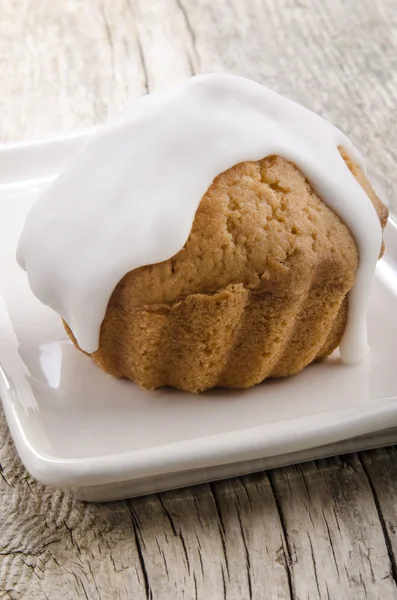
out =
column 286, row 546
column 33, row 569
column 192, row 35
column 223, row 582
column 145, row 71
column 314, row 564
column 174, row 531
column 165, row 561
column 246, row 551
column 144, row 66
column 221, row 526
column 200, row 556
column 327, row 590
column 170, row 520
column 4, row 478
column 84, row 590
column 392, row 559
column 197, row 507
column 246, row 492
column 331, row 543
column 80, row 585
column 139, row 548
column 305, row 484
column 95, row 584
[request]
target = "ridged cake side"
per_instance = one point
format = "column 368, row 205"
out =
column 259, row 290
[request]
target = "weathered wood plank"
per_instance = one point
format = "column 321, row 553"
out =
column 381, row 470
column 334, row 533
column 254, row 541
column 311, row 531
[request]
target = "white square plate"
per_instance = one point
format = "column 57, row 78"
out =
column 82, row 431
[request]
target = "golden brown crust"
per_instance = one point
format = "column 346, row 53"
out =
column 259, row 289
column 381, row 210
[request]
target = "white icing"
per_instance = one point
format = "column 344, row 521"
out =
column 129, row 198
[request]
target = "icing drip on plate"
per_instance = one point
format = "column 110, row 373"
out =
column 129, row 197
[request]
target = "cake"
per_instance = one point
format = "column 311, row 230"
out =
column 215, row 234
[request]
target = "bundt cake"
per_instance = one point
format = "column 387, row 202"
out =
column 248, row 274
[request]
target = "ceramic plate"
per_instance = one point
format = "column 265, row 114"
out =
column 82, row 431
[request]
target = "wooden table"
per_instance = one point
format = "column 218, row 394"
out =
column 325, row 529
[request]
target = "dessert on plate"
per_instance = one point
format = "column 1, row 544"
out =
column 213, row 234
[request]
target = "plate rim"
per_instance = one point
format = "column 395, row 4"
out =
column 224, row 448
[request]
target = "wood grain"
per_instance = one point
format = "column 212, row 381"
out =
column 322, row 530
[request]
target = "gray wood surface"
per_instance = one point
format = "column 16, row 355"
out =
column 322, row 530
